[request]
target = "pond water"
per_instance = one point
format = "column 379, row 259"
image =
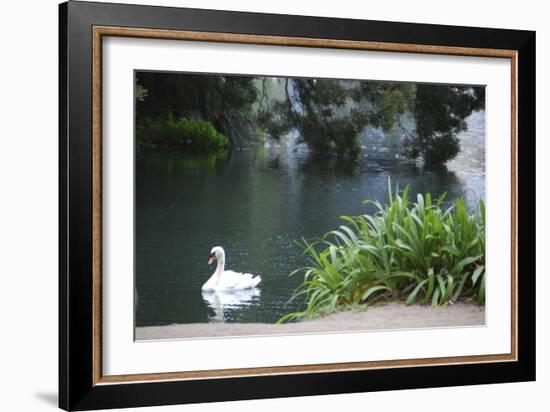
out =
column 256, row 203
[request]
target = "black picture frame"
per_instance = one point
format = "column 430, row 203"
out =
column 77, row 390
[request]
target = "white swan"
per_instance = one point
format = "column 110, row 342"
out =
column 227, row 279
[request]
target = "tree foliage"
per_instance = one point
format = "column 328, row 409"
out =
column 440, row 112
column 330, row 114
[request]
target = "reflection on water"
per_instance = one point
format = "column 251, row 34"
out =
column 179, row 162
column 256, row 203
column 224, row 303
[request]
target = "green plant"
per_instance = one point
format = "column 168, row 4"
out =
column 413, row 251
column 194, row 134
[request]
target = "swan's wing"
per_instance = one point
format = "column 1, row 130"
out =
column 253, row 280
column 237, row 280
column 229, row 279
column 248, row 280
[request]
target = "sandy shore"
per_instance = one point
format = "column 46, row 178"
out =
column 389, row 316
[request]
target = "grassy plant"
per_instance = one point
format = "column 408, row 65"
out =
column 415, row 251
column 194, row 134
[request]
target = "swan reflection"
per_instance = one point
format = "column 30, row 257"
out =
column 224, row 302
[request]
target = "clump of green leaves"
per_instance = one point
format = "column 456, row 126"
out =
column 194, row 134
column 414, row 251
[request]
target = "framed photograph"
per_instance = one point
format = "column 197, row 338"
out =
column 257, row 205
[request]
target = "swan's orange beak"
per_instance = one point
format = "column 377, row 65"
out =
column 211, row 259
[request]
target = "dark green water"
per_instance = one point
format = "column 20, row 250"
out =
column 255, row 203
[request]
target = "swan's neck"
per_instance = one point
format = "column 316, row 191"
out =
column 219, row 269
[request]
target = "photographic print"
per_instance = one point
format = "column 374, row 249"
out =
column 233, row 204
column 280, row 205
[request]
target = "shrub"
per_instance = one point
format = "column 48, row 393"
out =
column 412, row 251
column 195, row 134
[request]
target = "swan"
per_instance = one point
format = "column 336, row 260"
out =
column 227, row 279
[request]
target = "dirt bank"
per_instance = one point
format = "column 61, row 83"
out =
column 389, row 316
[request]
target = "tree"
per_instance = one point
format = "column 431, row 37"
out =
column 440, row 112
column 224, row 100
column 330, row 114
